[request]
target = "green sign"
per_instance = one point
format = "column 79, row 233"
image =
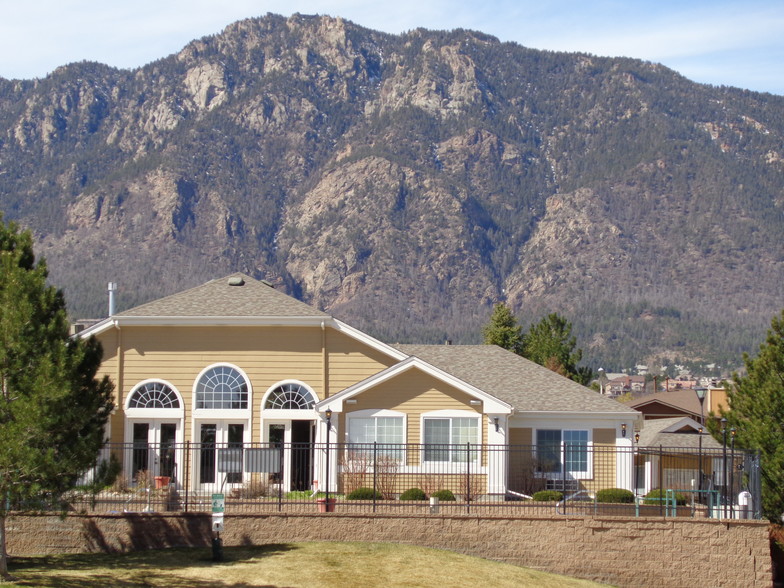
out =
column 218, row 502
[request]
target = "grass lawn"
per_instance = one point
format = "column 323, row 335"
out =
column 312, row 565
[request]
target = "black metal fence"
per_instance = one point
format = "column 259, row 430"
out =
column 469, row 479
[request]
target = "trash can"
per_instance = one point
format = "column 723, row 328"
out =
column 744, row 505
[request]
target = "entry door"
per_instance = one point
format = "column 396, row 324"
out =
column 220, row 452
column 297, row 440
column 154, row 448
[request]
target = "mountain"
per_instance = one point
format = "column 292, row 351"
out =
column 406, row 183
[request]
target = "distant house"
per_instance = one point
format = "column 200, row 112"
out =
column 670, row 456
column 677, row 403
column 234, row 362
column 624, row 384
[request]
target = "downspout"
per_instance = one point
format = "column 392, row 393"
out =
column 324, row 361
column 118, row 377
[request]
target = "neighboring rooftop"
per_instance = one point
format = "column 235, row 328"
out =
column 522, row 383
column 675, row 432
column 237, row 295
column 684, row 401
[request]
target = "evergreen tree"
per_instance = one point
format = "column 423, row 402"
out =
column 502, row 329
column 53, row 410
column 550, row 343
column 756, row 411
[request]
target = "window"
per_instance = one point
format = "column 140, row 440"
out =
column 387, row 431
column 222, row 387
column 556, row 448
column 291, row 396
column 154, row 395
column 446, row 438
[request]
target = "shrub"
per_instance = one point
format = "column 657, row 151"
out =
column 658, row 496
column 413, row 494
column 363, row 493
column 444, row 495
column 617, row 495
column 548, row 496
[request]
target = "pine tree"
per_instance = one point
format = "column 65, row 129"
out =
column 756, row 411
column 502, row 329
column 53, row 410
column 550, row 343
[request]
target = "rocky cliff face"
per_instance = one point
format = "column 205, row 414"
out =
column 406, row 183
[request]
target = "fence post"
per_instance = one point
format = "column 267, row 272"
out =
column 280, row 477
column 188, row 458
column 661, row 481
column 375, row 469
column 468, row 477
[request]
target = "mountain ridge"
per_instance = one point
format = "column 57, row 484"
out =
column 407, row 182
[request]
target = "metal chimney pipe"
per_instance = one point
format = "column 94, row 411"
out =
column 112, row 289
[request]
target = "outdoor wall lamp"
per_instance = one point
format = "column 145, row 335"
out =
column 495, row 421
column 636, row 437
column 328, row 414
column 623, row 429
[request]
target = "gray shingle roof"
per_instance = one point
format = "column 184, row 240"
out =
column 218, row 298
column 522, row 383
column 654, row 433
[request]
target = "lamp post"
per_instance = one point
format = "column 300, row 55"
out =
column 634, row 465
column 328, row 414
column 724, row 462
column 732, row 473
column 701, row 391
column 699, row 494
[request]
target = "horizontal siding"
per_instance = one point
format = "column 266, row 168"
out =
column 267, row 355
column 604, row 437
column 521, row 436
column 414, row 393
column 351, row 361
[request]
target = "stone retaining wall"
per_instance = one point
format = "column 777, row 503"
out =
column 620, row 551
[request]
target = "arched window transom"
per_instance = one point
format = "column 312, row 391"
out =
column 222, row 387
column 290, row 397
column 154, row 395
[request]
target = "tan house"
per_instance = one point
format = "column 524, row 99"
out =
column 234, row 363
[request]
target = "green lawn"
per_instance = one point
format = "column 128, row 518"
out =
column 312, row 565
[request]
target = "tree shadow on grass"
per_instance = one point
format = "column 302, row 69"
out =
column 95, row 570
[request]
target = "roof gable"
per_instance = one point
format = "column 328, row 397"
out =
column 237, row 295
column 525, row 385
column 492, row 405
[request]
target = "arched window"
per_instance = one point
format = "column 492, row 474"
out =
column 291, row 396
column 222, row 387
column 154, row 395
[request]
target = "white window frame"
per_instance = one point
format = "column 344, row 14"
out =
column 237, row 414
column 587, row 474
column 289, row 413
column 376, row 414
column 450, row 463
column 153, row 413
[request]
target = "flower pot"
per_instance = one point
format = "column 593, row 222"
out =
column 161, row 482
column 326, row 504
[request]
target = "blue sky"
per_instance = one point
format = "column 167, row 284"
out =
column 720, row 42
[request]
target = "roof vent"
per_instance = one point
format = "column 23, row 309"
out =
column 236, row 281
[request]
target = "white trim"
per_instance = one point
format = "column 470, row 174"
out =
column 152, row 411
column 376, row 413
column 118, row 321
column 449, row 414
column 354, row 333
column 577, row 475
column 275, row 386
column 238, row 414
